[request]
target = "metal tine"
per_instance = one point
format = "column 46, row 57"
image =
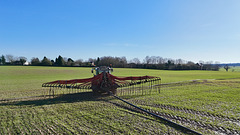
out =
column 157, row 85
column 129, row 89
column 53, row 91
column 134, row 88
column 71, row 86
column 56, row 91
column 49, row 91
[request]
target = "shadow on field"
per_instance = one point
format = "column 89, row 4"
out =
column 66, row 98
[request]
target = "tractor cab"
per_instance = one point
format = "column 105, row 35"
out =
column 99, row 70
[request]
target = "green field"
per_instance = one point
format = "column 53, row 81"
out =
column 206, row 101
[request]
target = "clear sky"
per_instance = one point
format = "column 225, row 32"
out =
column 193, row 30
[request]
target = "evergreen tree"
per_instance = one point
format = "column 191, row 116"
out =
column 98, row 60
column 55, row 63
column 3, row 60
column 60, row 61
column 46, row 62
column 70, row 60
column 35, row 61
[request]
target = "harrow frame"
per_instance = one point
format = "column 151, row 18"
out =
column 105, row 83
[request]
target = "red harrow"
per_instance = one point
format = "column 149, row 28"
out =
column 106, row 83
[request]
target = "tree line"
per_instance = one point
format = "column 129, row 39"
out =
column 11, row 60
column 149, row 62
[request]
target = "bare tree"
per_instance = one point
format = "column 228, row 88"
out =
column 179, row 61
column 153, row 60
column 79, row 62
column 136, row 61
column 123, row 61
column 10, row 58
column 147, row 60
column 92, row 60
column 65, row 59
column 160, row 60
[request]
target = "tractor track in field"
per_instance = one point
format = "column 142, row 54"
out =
column 40, row 122
column 217, row 129
column 187, row 121
column 218, row 117
column 188, row 82
column 186, row 110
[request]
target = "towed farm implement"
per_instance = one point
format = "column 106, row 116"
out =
column 104, row 83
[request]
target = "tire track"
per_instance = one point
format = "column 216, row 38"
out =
column 41, row 123
column 218, row 129
column 60, row 123
column 66, row 130
column 15, row 125
column 36, row 116
column 186, row 121
column 25, row 121
column 191, row 111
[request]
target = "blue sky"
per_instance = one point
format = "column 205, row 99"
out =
column 192, row 30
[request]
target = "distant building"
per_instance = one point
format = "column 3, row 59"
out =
column 26, row 63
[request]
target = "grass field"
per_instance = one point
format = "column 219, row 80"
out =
column 206, row 101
